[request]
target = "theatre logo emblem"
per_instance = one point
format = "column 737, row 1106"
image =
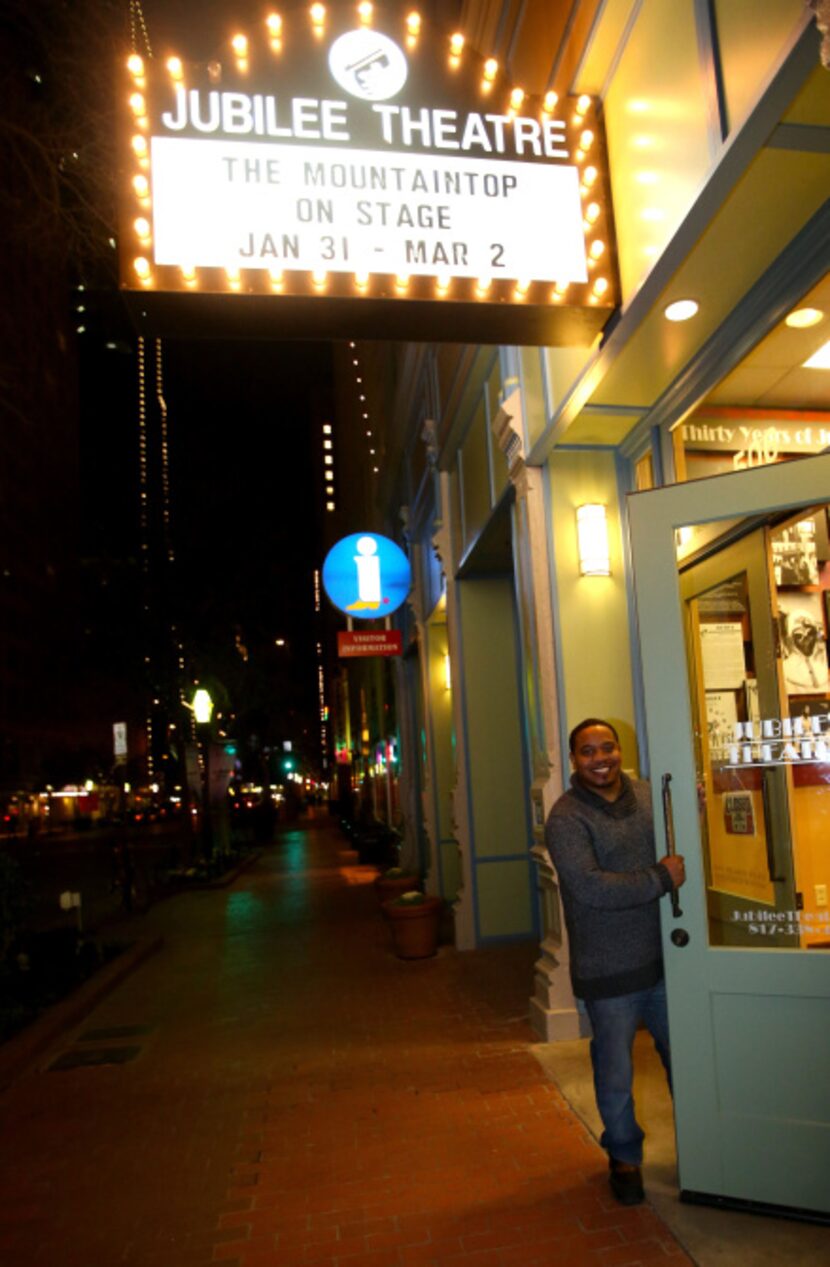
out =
column 368, row 64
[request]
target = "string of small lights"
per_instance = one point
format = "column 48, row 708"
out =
column 80, row 308
column 142, row 457
column 328, row 466
column 321, row 678
column 143, row 519
column 164, row 432
column 138, row 24
column 145, row 476
column 363, row 408
column 165, row 453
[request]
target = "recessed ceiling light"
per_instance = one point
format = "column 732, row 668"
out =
column 681, row 310
column 820, row 360
column 802, row 318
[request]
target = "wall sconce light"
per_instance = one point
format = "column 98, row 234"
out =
column 447, row 671
column 592, row 540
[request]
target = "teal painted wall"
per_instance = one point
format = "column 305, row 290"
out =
column 495, row 757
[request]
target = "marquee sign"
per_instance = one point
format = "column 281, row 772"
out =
column 340, row 155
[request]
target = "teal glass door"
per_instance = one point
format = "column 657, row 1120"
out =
column 732, row 581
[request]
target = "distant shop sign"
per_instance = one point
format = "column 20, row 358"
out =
column 366, row 163
column 366, row 575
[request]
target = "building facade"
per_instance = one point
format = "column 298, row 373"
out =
column 700, row 410
column 611, row 480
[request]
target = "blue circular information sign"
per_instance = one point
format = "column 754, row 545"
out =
column 366, row 576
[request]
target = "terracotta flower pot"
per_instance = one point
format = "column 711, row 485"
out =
column 415, row 927
column 389, row 887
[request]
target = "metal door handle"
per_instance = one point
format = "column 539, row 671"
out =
column 668, row 825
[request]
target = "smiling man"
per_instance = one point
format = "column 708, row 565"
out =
column 600, row 836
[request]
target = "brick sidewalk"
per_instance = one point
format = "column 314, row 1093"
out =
column 302, row 1098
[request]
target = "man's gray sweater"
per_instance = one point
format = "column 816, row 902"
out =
column 611, row 883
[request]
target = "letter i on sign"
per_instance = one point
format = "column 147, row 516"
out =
column 368, row 570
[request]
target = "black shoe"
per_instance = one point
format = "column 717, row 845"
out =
column 626, row 1183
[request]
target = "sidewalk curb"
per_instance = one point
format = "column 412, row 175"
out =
column 18, row 1052
column 164, row 894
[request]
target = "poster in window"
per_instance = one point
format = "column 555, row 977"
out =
column 794, row 554
column 808, row 708
column 721, row 715
column 803, row 645
column 738, row 814
column 722, row 652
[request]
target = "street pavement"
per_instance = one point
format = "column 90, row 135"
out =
column 274, row 1087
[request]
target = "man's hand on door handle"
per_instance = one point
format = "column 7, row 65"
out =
column 675, row 866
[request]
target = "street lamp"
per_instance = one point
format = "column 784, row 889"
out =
column 202, row 712
column 202, row 707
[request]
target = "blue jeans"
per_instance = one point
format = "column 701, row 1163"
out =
column 615, row 1022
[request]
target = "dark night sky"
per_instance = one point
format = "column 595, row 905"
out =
column 244, row 512
column 197, row 29
column 244, row 517
column 239, row 413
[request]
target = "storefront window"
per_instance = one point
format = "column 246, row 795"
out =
column 757, row 626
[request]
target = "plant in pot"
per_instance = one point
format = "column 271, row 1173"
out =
column 395, row 881
column 415, row 920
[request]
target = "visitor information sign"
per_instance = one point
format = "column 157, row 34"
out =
column 366, row 575
column 369, row 642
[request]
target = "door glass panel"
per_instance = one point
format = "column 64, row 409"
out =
column 756, row 622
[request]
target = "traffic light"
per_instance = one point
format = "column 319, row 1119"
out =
column 289, row 764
